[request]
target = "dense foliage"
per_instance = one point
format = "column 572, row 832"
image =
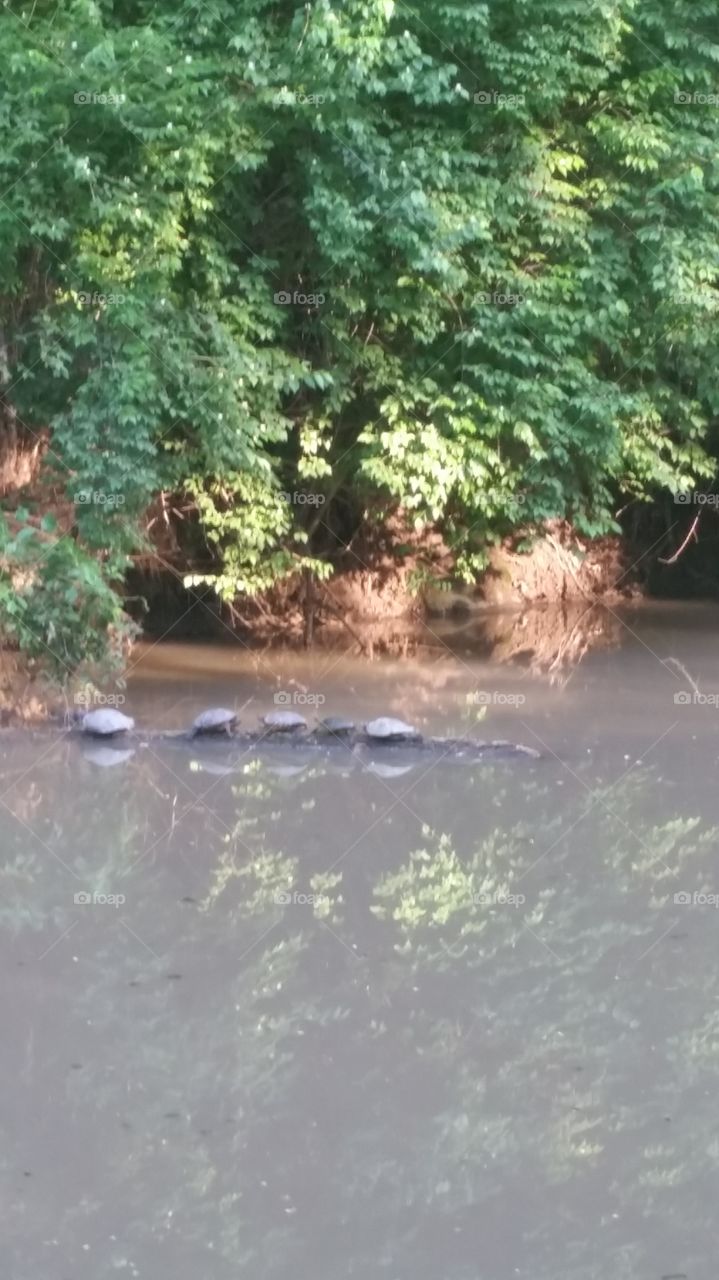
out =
column 300, row 262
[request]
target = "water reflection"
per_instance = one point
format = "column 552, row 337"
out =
column 263, row 1023
column 106, row 757
column 287, row 1017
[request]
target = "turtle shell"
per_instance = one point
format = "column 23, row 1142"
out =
column 284, row 720
column 214, row 720
column 336, row 724
column 386, row 727
column 105, row 722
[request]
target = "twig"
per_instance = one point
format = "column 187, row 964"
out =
column 308, row 12
column 565, row 645
column 334, row 608
column 692, row 530
column 680, row 667
column 308, row 609
column 565, row 559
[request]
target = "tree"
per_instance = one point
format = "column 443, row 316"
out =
column 461, row 260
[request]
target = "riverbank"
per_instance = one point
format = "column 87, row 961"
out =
column 531, row 645
column 390, row 575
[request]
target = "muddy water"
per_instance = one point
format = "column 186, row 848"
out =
column 444, row 1023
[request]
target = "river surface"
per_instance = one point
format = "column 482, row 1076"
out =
column 290, row 1020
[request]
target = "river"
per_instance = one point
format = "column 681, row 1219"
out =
column 271, row 1018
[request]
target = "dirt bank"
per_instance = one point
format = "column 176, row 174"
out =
column 557, row 568
column 392, row 573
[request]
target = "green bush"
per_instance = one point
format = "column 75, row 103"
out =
column 56, row 605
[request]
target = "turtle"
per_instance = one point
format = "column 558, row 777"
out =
column 386, row 729
column 105, row 722
column 283, row 721
column 215, row 720
column 336, row 726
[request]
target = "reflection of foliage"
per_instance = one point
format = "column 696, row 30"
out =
column 403, row 1060
column 259, row 880
column 434, row 887
column 329, row 902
